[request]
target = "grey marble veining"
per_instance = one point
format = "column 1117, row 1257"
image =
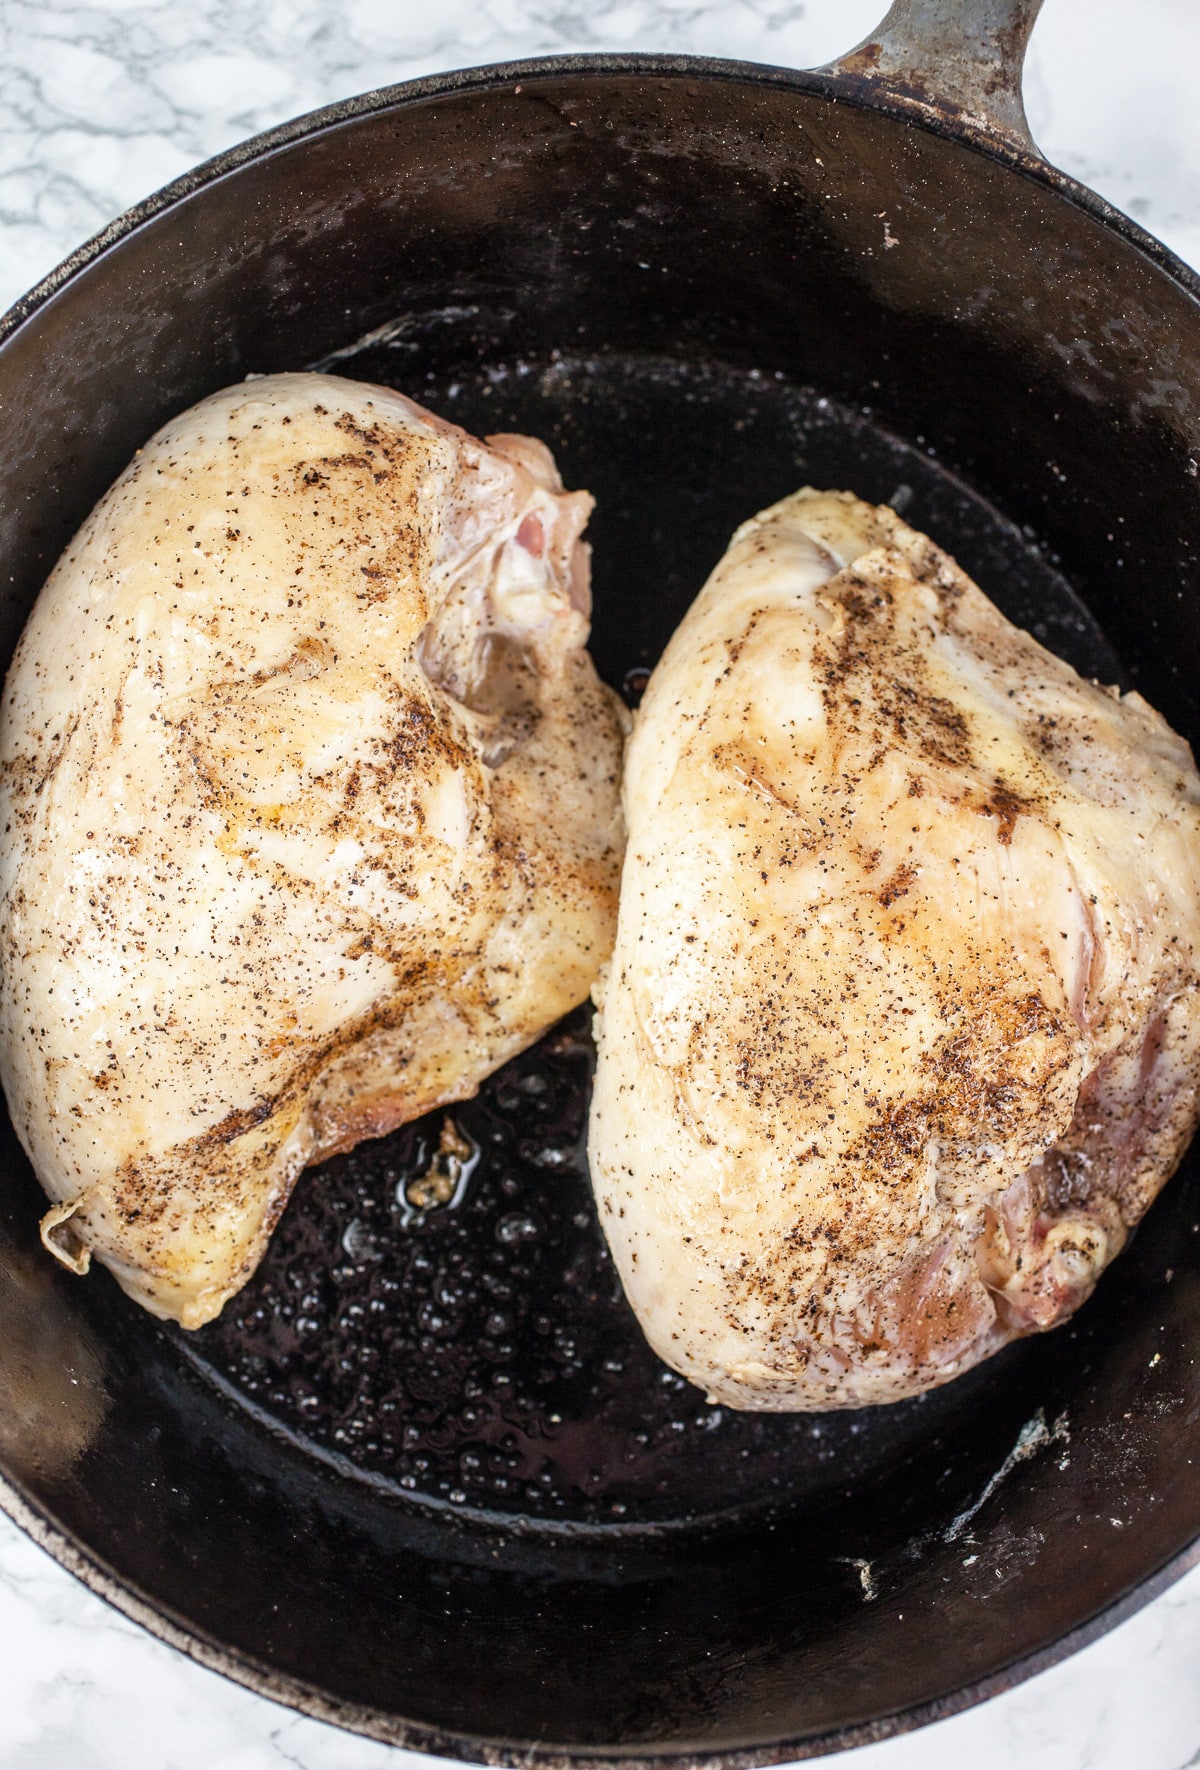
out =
column 101, row 104
column 83, row 1689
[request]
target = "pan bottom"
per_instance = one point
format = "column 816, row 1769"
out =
column 437, row 1311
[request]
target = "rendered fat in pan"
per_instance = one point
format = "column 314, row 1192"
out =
column 424, row 1479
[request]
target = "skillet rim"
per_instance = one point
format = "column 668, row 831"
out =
column 296, row 1694
column 862, row 92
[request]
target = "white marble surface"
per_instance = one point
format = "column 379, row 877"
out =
column 100, row 104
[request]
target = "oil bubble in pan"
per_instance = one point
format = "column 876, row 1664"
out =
column 437, row 1310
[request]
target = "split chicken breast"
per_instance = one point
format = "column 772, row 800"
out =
column 901, row 1033
column 310, row 800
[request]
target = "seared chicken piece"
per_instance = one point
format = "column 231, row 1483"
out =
column 310, row 794
column 901, row 1033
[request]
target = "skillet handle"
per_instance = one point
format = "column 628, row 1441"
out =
column 960, row 60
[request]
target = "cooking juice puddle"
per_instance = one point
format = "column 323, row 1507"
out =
column 437, row 1311
column 479, row 1351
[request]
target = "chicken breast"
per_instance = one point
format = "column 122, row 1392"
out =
column 310, row 800
column 901, row 1033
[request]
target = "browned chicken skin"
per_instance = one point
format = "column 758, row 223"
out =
column 901, row 1033
column 311, row 800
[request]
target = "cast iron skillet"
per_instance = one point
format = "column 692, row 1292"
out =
column 424, row 1478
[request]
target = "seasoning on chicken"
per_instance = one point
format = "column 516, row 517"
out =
column 310, row 800
column 901, row 1034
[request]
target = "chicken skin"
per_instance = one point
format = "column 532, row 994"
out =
column 310, row 799
column 901, row 1033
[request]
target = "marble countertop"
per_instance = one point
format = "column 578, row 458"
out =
column 101, row 104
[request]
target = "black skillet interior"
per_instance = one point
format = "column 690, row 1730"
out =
column 424, row 1475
